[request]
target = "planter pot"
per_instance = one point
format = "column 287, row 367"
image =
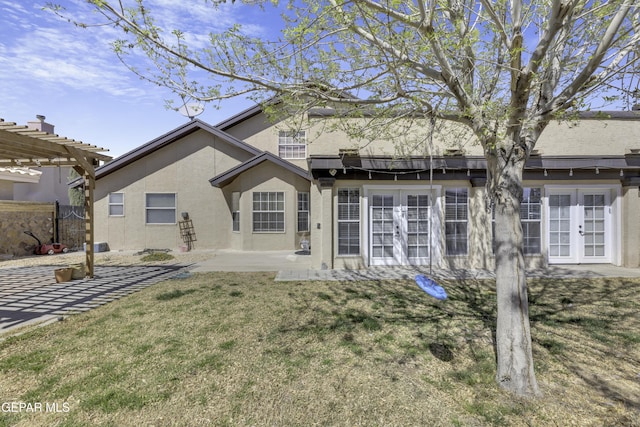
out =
column 78, row 271
column 63, row 274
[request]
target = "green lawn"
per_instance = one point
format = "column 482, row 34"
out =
column 240, row 349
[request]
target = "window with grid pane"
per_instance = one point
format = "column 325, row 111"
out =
column 530, row 217
column 268, row 212
column 456, row 220
column 160, row 208
column 348, row 221
column 292, row 144
column 116, row 204
column 303, row 211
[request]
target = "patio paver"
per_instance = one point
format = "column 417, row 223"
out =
column 31, row 295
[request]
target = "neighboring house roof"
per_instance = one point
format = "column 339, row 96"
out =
column 228, row 176
column 20, row 174
column 166, row 139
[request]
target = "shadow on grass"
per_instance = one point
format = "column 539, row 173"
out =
column 594, row 309
column 441, row 328
column 591, row 326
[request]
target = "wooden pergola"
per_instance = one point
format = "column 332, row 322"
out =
column 27, row 147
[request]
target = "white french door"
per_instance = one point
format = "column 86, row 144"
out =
column 579, row 226
column 399, row 227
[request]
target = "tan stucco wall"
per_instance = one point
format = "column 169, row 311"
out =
column 322, row 226
column 51, row 187
column 266, row 177
column 585, row 137
column 631, row 227
column 590, row 137
column 184, row 167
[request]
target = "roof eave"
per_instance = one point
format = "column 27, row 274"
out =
column 168, row 138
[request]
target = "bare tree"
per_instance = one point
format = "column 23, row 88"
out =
column 503, row 69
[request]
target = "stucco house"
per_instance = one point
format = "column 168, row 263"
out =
column 11, row 176
column 249, row 184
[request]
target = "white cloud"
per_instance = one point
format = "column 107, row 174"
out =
column 200, row 19
column 57, row 54
column 39, row 49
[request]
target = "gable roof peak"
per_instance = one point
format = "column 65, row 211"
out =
column 228, row 176
column 168, row 138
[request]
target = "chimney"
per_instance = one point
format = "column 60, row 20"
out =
column 41, row 125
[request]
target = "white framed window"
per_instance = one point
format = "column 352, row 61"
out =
column 531, row 219
column 303, row 211
column 235, row 211
column 292, row 144
column 116, row 204
column 268, row 212
column 348, row 221
column 456, row 215
column 160, row 208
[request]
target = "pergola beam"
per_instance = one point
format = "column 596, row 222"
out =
column 24, row 146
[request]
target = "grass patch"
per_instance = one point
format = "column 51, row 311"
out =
column 157, row 256
column 34, row 361
column 176, row 293
column 241, row 349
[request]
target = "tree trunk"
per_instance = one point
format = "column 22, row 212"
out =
column 515, row 371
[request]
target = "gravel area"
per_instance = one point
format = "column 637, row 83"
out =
column 106, row 258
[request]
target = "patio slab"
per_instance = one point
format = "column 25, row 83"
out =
column 232, row 260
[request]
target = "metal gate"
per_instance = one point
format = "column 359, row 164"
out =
column 70, row 226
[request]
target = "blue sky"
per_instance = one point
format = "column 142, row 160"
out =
column 71, row 75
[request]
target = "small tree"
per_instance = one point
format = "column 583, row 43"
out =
column 76, row 194
column 503, row 69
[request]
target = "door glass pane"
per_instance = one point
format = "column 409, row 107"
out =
column 418, row 226
column 594, row 224
column 382, row 227
column 559, row 225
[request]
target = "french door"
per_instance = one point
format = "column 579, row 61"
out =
column 399, row 227
column 579, row 226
